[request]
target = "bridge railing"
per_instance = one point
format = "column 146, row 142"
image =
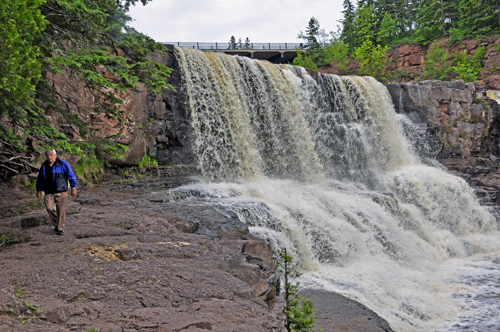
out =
column 227, row 46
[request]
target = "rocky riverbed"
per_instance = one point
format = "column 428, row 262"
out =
column 130, row 261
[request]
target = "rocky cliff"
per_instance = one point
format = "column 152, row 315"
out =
column 459, row 125
column 154, row 124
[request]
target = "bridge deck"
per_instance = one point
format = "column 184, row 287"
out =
column 272, row 52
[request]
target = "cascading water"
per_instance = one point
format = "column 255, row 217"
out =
column 322, row 167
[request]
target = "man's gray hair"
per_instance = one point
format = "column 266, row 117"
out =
column 52, row 151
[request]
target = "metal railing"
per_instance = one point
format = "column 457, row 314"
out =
column 228, row 46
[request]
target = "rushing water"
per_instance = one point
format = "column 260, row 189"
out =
column 326, row 168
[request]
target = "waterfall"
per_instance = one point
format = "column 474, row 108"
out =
column 324, row 167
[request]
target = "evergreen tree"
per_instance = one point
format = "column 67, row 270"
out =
column 371, row 59
column 299, row 312
column 477, row 18
column 232, row 43
column 247, row 44
column 240, row 44
column 365, row 24
column 430, row 21
column 20, row 23
column 348, row 34
column 312, row 36
column 386, row 31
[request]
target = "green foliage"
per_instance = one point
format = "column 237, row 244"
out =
column 386, row 31
column 305, row 61
column 299, row 312
column 90, row 169
column 337, row 51
column 437, row 63
column 421, row 22
column 35, row 310
column 20, row 23
column 468, row 69
column 348, row 33
column 148, row 161
column 3, row 239
column 116, row 151
column 93, row 330
column 371, row 59
column 365, row 25
column 87, row 39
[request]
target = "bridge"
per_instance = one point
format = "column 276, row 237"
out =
column 272, row 52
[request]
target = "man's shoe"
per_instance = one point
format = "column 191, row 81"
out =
column 60, row 232
column 55, row 229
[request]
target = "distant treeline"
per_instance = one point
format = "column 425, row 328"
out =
column 370, row 27
column 421, row 22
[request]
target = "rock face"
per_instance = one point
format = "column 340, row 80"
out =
column 154, row 124
column 459, row 124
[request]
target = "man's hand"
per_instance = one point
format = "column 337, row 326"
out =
column 39, row 194
column 73, row 192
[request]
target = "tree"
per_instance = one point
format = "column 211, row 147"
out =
column 312, row 36
column 298, row 309
column 232, row 43
column 91, row 40
column 247, row 44
column 437, row 63
column 348, row 32
column 20, row 23
column 386, row 31
column 365, row 25
column 240, row 44
column 477, row 18
column 338, row 52
column 371, row 59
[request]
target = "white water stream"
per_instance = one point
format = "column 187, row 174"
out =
column 322, row 167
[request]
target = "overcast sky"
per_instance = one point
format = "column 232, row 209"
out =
column 263, row 21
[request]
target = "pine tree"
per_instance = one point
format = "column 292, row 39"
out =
column 299, row 312
column 430, row 22
column 386, row 31
column 348, row 34
column 20, row 23
column 478, row 18
column 240, row 44
column 365, row 24
column 232, row 43
column 312, row 36
column 247, row 44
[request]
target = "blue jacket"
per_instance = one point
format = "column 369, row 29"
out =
column 61, row 173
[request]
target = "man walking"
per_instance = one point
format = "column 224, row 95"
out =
column 53, row 180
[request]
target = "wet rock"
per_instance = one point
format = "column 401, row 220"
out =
column 338, row 313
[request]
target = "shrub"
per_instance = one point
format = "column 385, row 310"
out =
column 148, row 161
column 437, row 63
column 90, row 169
column 298, row 309
column 466, row 68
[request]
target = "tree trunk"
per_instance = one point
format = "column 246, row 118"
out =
column 442, row 18
column 498, row 8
